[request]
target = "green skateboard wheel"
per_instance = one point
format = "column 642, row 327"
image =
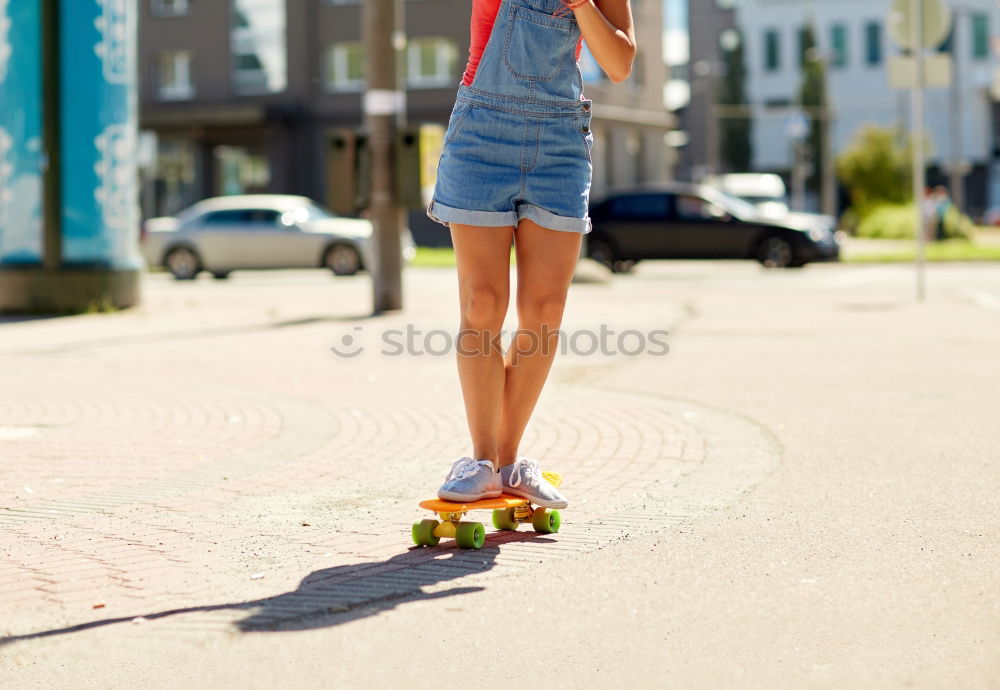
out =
column 470, row 535
column 504, row 519
column 423, row 533
column 546, row 521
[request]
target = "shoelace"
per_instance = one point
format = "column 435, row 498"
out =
column 464, row 468
column 529, row 469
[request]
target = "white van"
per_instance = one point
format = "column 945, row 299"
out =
column 767, row 193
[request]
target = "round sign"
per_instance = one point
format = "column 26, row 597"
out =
column 937, row 22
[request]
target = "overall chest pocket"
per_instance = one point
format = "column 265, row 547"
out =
column 538, row 45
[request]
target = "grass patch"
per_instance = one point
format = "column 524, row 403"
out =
column 428, row 257
column 948, row 250
column 439, row 257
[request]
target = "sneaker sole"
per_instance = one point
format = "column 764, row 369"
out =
column 466, row 498
column 554, row 505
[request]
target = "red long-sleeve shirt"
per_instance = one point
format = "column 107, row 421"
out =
column 484, row 15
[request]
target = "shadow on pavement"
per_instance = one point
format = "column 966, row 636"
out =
column 338, row 595
column 212, row 332
column 18, row 318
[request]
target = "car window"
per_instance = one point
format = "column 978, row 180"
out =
column 241, row 217
column 640, row 207
column 224, row 218
column 263, row 217
column 692, row 207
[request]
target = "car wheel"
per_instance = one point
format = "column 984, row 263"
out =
column 183, row 263
column 221, row 275
column 601, row 252
column 775, row 252
column 343, row 260
column 625, row 266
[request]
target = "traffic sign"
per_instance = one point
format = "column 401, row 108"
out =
column 796, row 125
column 903, row 72
column 937, row 23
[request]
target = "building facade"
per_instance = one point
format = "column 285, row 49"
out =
column 241, row 94
column 852, row 37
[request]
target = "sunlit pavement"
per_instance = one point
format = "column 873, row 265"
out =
column 215, row 489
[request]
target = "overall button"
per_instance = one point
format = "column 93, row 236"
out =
column 585, row 129
column 586, row 107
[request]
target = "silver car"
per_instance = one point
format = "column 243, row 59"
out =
column 261, row 231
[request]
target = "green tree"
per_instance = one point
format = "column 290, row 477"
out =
column 876, row 169
column 735, row 146
column 812, row 95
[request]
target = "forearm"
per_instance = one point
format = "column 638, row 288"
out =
column 606, row 26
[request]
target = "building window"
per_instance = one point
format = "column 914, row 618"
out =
column 980, row 36
column 804, row 35
column 170, row 8
column 838, row 45
column 772, row 50
column 638, row 77
column 173, row 76
column 345, row 66
column 430, row 62
column 873, row 43
column 260, row 61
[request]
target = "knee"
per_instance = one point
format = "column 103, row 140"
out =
column 542, row 310
column 483, row 308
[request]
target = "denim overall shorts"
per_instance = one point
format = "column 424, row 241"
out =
column 518, row 142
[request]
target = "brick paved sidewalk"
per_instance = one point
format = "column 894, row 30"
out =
column 207, row 463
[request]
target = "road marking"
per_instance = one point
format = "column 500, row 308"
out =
column 982, row 299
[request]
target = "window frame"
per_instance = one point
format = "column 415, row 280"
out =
column 159, row 8
column 331, row 83
column 772, row 50
column 873, row 33
column 176, row 92
column 839, row 55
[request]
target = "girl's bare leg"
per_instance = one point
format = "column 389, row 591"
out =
column 483, row 258
column 546, row 260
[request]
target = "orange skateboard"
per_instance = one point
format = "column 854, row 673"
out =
column 508, row 514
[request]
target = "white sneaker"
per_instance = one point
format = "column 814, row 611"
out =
column 524, row 478
column 471, row 480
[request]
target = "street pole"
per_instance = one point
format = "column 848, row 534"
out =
column 917, row 135
column 52, row 206
column 383, row 103
column 957, row 172
column 713, row 136
column 828, row 188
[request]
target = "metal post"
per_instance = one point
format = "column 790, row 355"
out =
column 957, row 173
column 712, row 137
column 382, row 104
column 51, row 109
column 917, row 134
column 828, row 194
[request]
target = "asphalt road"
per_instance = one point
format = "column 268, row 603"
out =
column 802, row 493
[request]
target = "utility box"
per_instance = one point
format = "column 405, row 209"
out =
column 407, row 167
column 416, row 151
column 348, row 171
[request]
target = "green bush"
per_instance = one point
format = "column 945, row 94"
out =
column 896, row 221
column 876, row 169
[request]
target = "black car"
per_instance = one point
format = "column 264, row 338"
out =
column 688, row 221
